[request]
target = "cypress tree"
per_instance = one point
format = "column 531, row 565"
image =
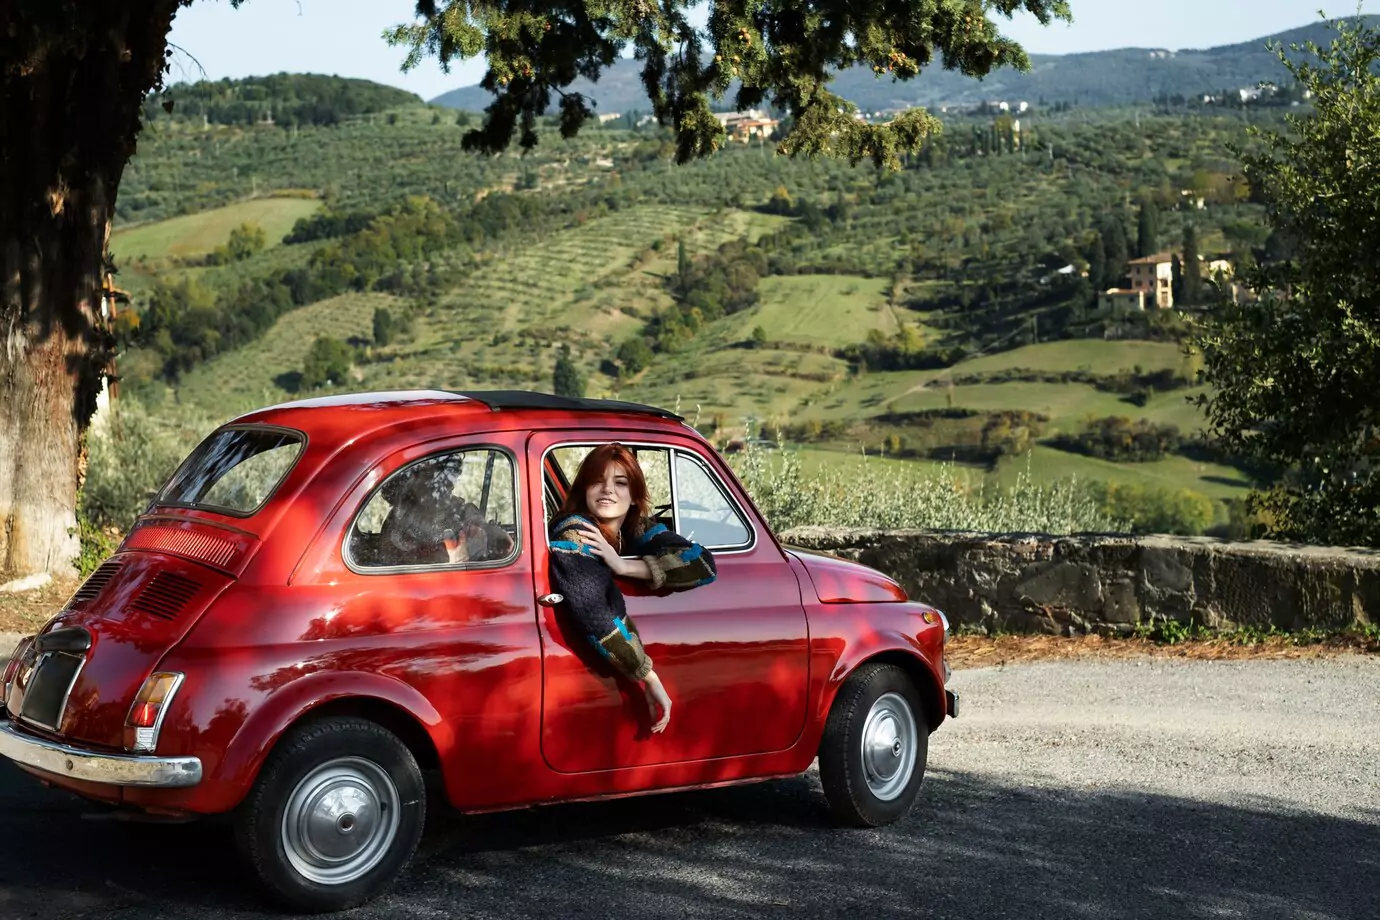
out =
column 1193, row 279
column 1147, row 229
column 565, row 380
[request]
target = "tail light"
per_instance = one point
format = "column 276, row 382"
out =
column 150, row 706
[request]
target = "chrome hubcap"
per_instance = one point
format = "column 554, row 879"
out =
column 340, row 820
column 888, row 746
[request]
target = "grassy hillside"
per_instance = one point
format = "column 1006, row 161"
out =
column 262, row 374
column 197, row 234
column 909, row 313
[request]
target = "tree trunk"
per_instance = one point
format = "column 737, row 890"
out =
column 73, row 83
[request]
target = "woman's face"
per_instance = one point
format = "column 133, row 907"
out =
column 610, row 498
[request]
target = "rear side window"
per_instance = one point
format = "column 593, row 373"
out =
column 453, row 509
column 235, row 470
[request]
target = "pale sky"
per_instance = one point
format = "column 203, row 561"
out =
column 344, row 37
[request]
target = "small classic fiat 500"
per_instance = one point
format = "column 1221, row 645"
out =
column 277, row 641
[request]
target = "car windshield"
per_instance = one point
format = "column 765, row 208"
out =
column 234, row 470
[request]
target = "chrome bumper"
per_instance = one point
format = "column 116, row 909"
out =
column 114, row 769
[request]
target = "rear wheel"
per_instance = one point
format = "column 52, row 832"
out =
column 873, row 753
column 335, row 815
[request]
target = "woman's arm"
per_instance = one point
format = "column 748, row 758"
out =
column 674, row 562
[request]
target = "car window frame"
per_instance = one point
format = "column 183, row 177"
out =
column 486, row 565
column 672, row 449
column 303, row 438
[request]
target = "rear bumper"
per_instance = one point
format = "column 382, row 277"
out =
column 951, row 704
column 92, row 767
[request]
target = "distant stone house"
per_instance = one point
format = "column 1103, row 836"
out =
column 1123, row 299
column 1154, row 275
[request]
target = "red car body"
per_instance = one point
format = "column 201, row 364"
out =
column 270, row 623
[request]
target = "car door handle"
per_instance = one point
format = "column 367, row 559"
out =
column 550, row 600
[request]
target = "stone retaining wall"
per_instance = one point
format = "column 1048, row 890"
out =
column 1071, row 585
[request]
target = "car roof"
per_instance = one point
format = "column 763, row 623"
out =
column 350, row 415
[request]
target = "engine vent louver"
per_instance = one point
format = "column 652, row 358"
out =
column 165, row 596
column 93, row 584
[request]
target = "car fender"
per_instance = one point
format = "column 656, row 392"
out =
column 272, row 717
column 892, row 643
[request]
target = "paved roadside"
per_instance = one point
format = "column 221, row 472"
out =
column 1124, row 789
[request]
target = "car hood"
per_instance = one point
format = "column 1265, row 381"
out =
column 841, row 581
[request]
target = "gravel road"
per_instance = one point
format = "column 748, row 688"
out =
column 1142, row 788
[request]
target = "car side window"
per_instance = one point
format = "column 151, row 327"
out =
column 453, row 509
column 703, row 510
column 685, row 494
column 656, row 470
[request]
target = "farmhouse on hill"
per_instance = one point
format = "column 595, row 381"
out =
column 1152, row 282
column 744, row 126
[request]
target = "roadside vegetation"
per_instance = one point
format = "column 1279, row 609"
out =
column 937, row 324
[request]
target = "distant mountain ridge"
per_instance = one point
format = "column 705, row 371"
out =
column 1097, row 78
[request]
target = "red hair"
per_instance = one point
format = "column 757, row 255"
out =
column 592, row 470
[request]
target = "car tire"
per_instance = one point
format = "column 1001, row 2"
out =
column 334, row 816
column 874, row 748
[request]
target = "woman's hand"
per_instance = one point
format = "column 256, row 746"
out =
column 593, row 537
column 657, row 697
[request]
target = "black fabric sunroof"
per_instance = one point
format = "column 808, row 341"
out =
column 529, row 399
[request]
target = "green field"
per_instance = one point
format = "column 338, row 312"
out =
column 196, row 234
column 823, row 309
column 1095, row 356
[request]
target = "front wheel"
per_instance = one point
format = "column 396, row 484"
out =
column 872, row 756
column 335, row 815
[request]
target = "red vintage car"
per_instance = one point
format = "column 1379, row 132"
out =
column 274, row 641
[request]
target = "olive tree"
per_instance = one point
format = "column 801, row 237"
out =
column 1294, row 373
column 74, row 75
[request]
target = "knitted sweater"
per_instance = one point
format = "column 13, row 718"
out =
column 593, row 598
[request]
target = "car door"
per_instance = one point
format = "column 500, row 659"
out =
column 733, row 654
column 423, row 575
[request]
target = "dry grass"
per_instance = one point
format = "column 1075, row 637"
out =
column 26, row 611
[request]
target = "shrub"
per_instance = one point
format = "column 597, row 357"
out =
column 937, row 499
column 129, row 458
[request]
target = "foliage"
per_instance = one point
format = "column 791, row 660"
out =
column 328, row 360
column 1154, row 509
column 245, row 240
column 185, row 325
column 888, row 499
column 130, row 457
column 1294, row 372
column 780, row 51
column 285, row 99
column 383, row 326
column 1120, row 439
column 565, row 379
column 634, row 356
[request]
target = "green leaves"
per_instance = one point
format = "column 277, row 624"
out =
column 774, row 51
column 1296, row 371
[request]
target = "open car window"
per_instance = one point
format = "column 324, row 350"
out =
column 686, row 495
column 453, row 509
column 234, row 470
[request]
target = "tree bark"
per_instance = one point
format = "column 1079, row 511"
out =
column 73, row 83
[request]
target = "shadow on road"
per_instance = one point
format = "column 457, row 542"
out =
column 970, row 849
